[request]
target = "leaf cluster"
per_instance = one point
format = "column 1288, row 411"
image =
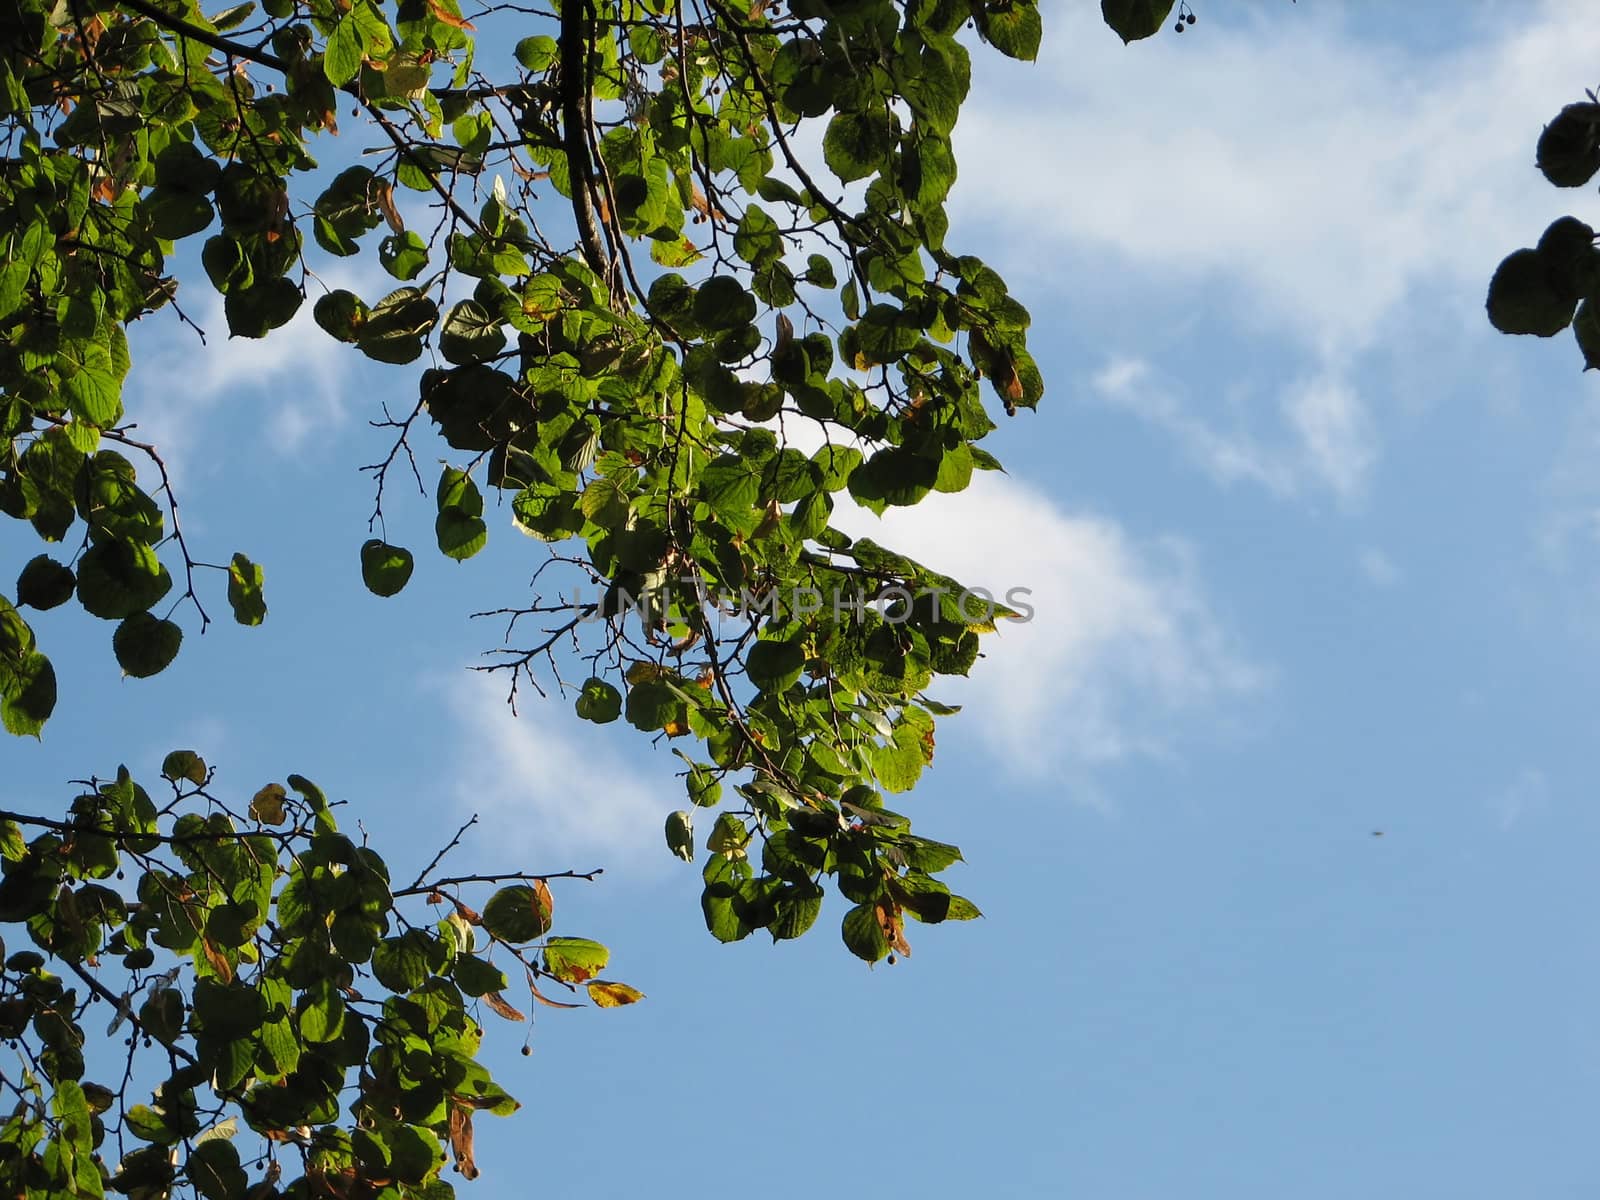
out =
column 1555, row 284
column 304, row 1026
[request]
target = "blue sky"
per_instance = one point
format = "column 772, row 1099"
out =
column 1314, row 553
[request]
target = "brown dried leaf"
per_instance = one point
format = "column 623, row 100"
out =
column 461, row 1140
column 893, row 926
column 447, row 17
column 497, row 1002
column 385, row 198
column 219, row 961
column 1009, row 383
column 543, row 999
column 698, row 202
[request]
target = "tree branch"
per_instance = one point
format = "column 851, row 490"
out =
column 574, row 91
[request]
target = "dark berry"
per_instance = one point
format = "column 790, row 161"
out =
column 1190, row 19
column 1178, row 28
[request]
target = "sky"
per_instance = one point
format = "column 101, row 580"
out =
column 1314, row 553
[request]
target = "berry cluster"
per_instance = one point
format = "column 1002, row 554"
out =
column 1185, row 17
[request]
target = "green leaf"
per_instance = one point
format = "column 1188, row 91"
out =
column 146, row 645
column 323, row 1017
column 574, row 960
column 45, row 583
column 470, row 334
column 385, row 569
column 962, row 909
column 401, row 963
column 214, row 1169
column 29, row 694
column 519, row 913
column 731, row 485
column 342, row 60
column 1569, row 148
column 244, row 591
column 403, row 255
column 757, row 240
column 232, row 17
column 459, row 527
column 1586, row 326
column 341, row 314
column 538, row 53
column 1524, row 298
column 680, row 834
column 723, row 303
column 1131, row 19
column 797, row 906
column 863, row 933
column 475, row 977
column 184, row 764
column 599, row 702
column 396, row 326
column 459, row 535
column 775, row 666
column 92, row 391
column 255, row 311
column 858, row 144
column 605, row 502
column 119, row 578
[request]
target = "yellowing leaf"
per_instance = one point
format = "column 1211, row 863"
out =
column 267, row 805
column 607, row 994
column 643, row 672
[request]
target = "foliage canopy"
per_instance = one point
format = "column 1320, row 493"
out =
column 675, row 275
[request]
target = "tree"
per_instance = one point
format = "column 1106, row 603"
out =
column 1555, row 285
column 727, row 335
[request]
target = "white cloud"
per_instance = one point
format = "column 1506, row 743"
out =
column 1316, row 192
column 550, row 790
column 1123, row 654
column 1316, row 176
column 298, row 381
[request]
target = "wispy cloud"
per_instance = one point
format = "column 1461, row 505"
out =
column 1326, row 439
column 1379, row 568
column 1566, row 534
column 1527, row 794
column 1335, row 431
column 551, row 791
